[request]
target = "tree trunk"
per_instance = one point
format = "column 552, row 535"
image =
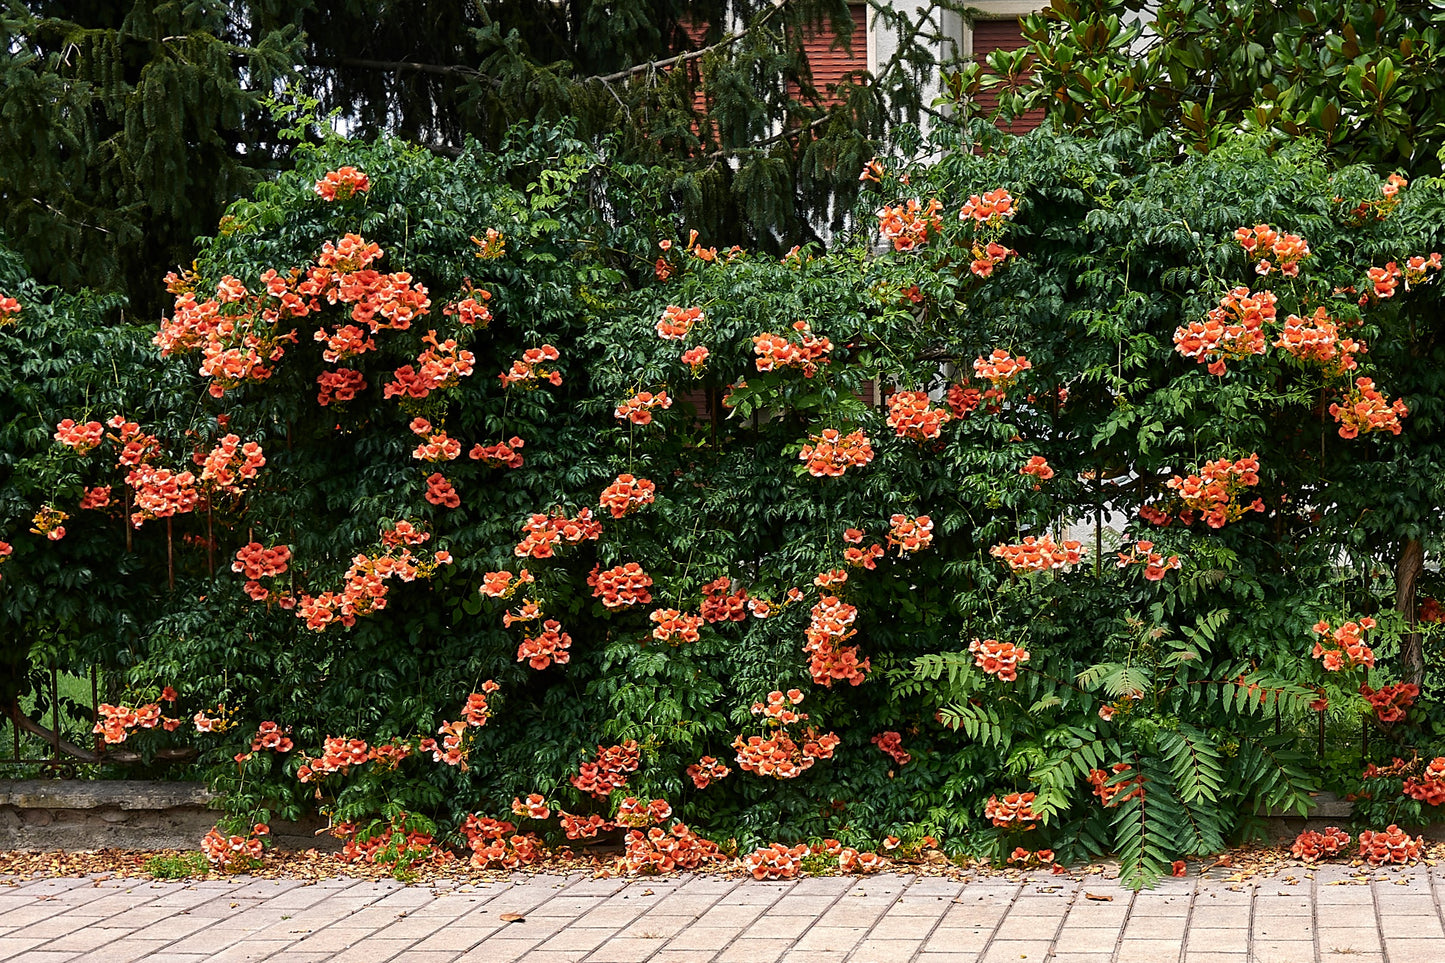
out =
column 1407, row 571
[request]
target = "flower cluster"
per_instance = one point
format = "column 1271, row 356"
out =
column 438, row 367
column 452, row 750
column 234, row 853
column 82, row 438
column 1015, row 809
column 272, row 737
column 527, row 370
column 1000, row 369
column 1262, row 241
column 721, row 604
column 675, row 627
column 342, row 183
column 1214, row 492
column 338, row 754
column 543, row 534
column 345, row 343
column 706, row 771
column 439, row 491
column 50, row 522
column 116, row 722
column 1317, row 340
column 779, row 755
column 1155, row 564
column 998, row 658
column 1038, row 467
column 1113, row 790
column 495, row 844
column 1390, row 845
column 993, row 208
column 861, row 557
column 491, row 245
column 9, row 309
column 910, row 534
column 988, row 256
column 1038, row 554
column 777, row 351
column 395, row 843
column 908, row 225
column 343, row 384
column 1429, row 786
column 535, row 807
column 695, row 358
column 676, row 322
column 609, row 771
column 470, row 311
column 828, row 659
column 891, row 745
column 851, row 860
column 659, row 851
column 5, row 551
column 577, row 827
column 500, row 585
column 1365, row 409
column 365, row 590
column 627, row 494
column 831, row 453
column 1391, row 702
column 639, row 408
column 1233, row 330
column 621, row 586
column 548, row 646
column 776, row 861
column 230, row 463
column 504, row 454
column 1343, row 648
column 1311, row 846
column 912, row 415
column 635, row 813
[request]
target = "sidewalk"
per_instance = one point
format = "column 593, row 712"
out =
column 1389, row 917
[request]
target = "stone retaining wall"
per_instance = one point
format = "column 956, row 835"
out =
column 38, row 815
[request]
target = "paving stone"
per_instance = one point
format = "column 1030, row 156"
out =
column 702, row 938
column 1147, row 951
column 832, row 938
column 1342, row 941
column 1284, row 951
column 1011, row 951
column 1273, row 928
column 1413, row 951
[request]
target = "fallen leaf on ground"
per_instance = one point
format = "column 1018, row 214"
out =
column 512, row 918
column 1099, row 897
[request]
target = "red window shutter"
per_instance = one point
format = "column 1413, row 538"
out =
column 991, row 35
column 830, row 63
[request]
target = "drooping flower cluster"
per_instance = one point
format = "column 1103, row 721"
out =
column 1214, row 492
column 639, row 408
column 504, row 454
column 636, row 814
column 998, row 658
column 535, row 807
column 495, row 844
column 776, row 861
column 501, row 585
column 1000, row 369
column 271, row 737
column 621, row 586
column 660, row 851
column 1013, row 810
column 50, row 522
column 470, row 311
column 912, row 415
column 610, row 770
column 234, row 853
column 1316, row 340
column 1155, row 564
column 1231, row 331
column 437, row 368
column 1038, row 467
column 696, row 359
column 527, row 371
column 365, row 590
column 831, row 453
column 81, row 438
column 807, row 353
column 342, row 183
column 908, row 225
column 1112, row 788
column 706, row 771
column 1390, row 845
column 721, row 604
column 1038, row 553
column 1343, row 648
column 439, row 491
column 829, row 660
column 548, row 646
column 341, row 385
column 1262, row 241
column 1311, row 846
column 627, row 494
column 780, row 755
column 578, row 827
column 230, row 464
column 992, row 208
column 338, row 755
column 861, row 557
column 675, row 627
column 910, row 534
column 676, row 322
column 491, row 245
column 9, row 310
column 988, row 256
column 1365, row 409
column 116, row 722
column 891, row 745
column 1429, row 786
column 1391, row 702
column 543, row 534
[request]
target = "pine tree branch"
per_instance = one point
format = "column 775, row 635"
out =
column 655, row 65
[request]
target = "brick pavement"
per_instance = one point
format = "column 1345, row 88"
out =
column 1328, row 916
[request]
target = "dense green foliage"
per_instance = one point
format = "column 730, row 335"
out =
column 1199, row 680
